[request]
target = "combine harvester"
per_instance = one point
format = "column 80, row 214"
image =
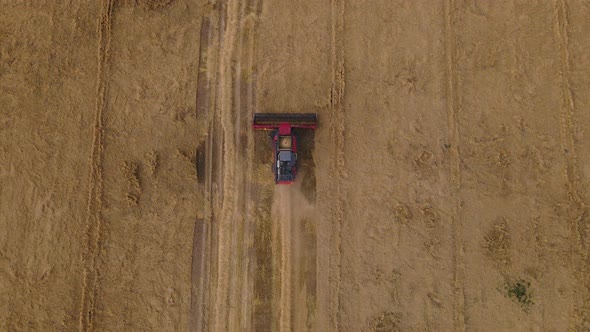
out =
column 284, row 140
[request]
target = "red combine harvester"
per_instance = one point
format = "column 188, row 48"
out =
column 284, row 140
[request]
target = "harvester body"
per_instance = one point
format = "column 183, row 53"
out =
column 284, row 140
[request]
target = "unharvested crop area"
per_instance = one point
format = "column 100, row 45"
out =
column 446, row 188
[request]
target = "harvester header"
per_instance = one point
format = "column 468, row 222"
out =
column 271, row 121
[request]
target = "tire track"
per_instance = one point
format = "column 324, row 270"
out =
column 217, row 164
column 264, row 261
column 453, row 109
column 239, row 206
column 568, row 105
column 283, row 216
column 241, row 55
column 239, row 316
column 336, row 128
column 578, row 225
column 298, row 227
column 201, row 258
column 94, row 219
column 228, row 227
column 246, row 92
column 277, row 268
column 290, row 210
column 220, row 239
column 205, row 246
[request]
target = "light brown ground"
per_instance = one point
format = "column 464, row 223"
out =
column 451, row 165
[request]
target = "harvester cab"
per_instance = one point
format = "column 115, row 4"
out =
column 284, row 140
